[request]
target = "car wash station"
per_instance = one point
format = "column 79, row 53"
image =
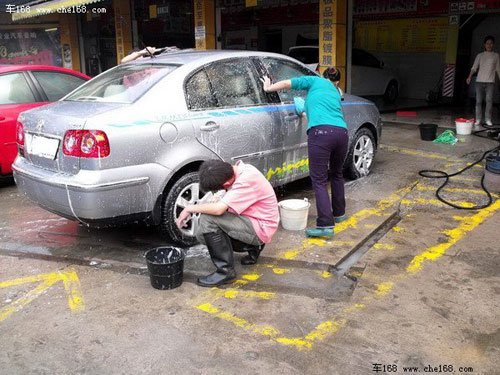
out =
column 111, row 112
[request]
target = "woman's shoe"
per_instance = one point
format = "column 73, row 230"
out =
column 319, row 232
column 339, row 219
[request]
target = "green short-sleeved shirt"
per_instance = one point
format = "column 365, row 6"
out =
column 322, row 105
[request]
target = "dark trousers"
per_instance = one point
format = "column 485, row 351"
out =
column 327, row 146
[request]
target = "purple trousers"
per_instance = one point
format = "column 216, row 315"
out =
column 327, row 146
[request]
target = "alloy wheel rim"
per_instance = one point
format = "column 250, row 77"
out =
column 191, row 194
column 363, row 155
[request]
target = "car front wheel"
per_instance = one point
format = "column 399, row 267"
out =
column 185, row 191
column 360, row 157
column 391, row 92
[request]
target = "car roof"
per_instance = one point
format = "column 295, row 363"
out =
column 7, row 68
column 185, row 57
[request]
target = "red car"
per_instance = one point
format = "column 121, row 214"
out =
column 23, row 87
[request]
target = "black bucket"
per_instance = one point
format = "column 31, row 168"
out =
column 428, row 132
column 165, row 266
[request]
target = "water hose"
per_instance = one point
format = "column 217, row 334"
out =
column 431, row 173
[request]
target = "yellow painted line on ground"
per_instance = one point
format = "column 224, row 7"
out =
column 234, row 293
column 384, row 246
column 412, row 152
column 454, row 235
column 397, row 229
column 434, row 202
column 68, row 277
column 455, row 190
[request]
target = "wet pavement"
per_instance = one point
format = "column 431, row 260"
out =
column 419, row 289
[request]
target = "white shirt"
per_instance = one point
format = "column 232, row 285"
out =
column 488, row 63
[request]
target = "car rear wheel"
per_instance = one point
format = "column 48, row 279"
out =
column 185, row 191
column 391, row 92
column 360, row 157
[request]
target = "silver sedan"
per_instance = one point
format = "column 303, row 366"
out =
column 126, row 145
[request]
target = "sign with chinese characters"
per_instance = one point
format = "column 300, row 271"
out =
column 327, row 21
column 199, row 24
column 31, row 46
column 404, row 35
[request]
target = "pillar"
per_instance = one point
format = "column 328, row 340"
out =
column 70, row 51
column 123, row 28
column 450, row 58
column 333, row 36
column 204, row 24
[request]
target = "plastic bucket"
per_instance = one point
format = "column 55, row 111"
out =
column 165, row 266
column 428, row 131
column 294, row 213
column 464, row 126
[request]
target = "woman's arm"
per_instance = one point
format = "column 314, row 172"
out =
column 137, row 54
column 473, row 70
column 281, row 85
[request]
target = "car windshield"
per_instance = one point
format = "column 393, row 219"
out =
column 123, row 84
column 305, row 55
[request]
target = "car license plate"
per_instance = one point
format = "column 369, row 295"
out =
column 41, row 146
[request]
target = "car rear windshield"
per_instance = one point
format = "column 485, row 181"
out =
column 305, row 55
column 123, row 84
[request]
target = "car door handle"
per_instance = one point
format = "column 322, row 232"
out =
column 209, row 126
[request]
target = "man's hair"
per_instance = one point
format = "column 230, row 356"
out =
column 332, row 73
column 489, row 37
column 213, row 174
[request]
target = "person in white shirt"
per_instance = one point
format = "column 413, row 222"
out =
column 487, row 65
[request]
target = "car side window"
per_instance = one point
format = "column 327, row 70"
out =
column 281, row 70
column 14, row 89
column 236, row 83
column 198, row 93
column 363, row 58
column 56, row 85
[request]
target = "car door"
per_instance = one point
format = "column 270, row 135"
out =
column 17, row 94
column 367, row 74
column 293, row 126
column 232, row 115
column 55, row 85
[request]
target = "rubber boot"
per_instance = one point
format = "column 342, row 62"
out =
column 221, row 252
column 253, row 251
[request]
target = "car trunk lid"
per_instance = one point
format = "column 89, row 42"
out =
column 45, row 127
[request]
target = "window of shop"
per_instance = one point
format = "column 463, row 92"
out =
column 162, row 23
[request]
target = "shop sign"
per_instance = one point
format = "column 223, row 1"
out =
column 31, row 46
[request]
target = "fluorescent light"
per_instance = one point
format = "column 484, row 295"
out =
column 52, row 29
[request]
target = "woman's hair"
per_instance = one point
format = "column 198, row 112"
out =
column 213, row 174
column 489, row 37
column 332, row 73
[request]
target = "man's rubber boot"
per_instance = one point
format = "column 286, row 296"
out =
column 253, row 251
column 221, row 253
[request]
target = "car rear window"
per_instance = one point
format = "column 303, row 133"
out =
column 123, row 84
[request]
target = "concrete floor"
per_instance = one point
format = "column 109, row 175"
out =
column 424, row 294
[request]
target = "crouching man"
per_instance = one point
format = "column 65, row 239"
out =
column 244, row 219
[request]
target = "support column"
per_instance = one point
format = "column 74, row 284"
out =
column 333, row 36
column 70, row 50
column 204, row 24
column 123, row 28
column 451, row 58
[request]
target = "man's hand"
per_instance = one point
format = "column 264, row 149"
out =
column 468, row 80
column 183, row 218
column 266, row 83
column 148, row 51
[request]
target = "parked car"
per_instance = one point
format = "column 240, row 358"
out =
column 368, row 75
column 127, row 144
column 23, row 87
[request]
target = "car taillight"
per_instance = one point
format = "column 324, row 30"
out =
column 86, row 144
column 20, row 134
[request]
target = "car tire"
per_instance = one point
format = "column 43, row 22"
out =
column 186, row 190
column 391, row 92
column 359, row 160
